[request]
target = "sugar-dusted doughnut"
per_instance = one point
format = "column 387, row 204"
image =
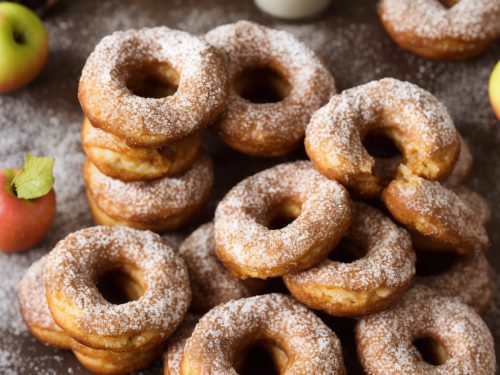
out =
column 287, row 328
column 369, row 284
column 156, row 275
column 34, row 309
column 463, row 167
column 38, row 319
column 158, row 205
column 116, row 159
column 263, row 59
column 436, row 215
column 442, row 29
column 475, row 201
column 468, row 277
column 211, row 283
column 244, row 239
column 415, row 120
column 176, row 343
column 125, row 62
column 461, row 342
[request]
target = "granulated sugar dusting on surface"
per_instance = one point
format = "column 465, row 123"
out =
column 45, row 118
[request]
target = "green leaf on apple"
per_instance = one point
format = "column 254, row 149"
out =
column 36, row 178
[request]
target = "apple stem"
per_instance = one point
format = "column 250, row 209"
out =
column 19, row 37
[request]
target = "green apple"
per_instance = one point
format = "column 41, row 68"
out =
column 494, row 89
column 23, row 46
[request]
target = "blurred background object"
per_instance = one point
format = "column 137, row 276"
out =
column 41, row 7
column 292, row 9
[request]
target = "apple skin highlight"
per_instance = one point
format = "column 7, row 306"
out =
column 24, row 223
column 494, row 89
column 23, row 46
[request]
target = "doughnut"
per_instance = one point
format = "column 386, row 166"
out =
column 244, row 239
column 367, row 285
column 38, row 319
column 276, row 83
column 468, row 277
column 116, row 159
column 475, row 201
column 158, row 280
column 458, row 339
column 159, row 205
column 415, row 120
column 292, row 332
column 117, row 76
column 107, row 362
column 442, row 29
column 463, row 166
column 435, row 214
column 176, row 343
column 211, row 283
column 35, row 311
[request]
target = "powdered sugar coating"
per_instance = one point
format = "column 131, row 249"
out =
column 470, row 278
column 389, row 260
column 246, row 245
column 418, row 123
column 76, row 261
column 106, row 101
column 31, row 297
column 312, row 348
column 211, row 283
column 434, row 211
column 468, row 20
column 272, row 128
column 150, row 201
column 385, row 339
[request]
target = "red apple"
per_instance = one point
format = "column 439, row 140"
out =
column 23, row 46
column 24, row 223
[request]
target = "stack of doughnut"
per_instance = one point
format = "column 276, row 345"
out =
column 393, row 240
column 62, row 305
column 146, row 95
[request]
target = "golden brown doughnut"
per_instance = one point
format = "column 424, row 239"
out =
column 305, row 342
column 123, row 63
column 462, row 168
column 176, row 343
column 244, row 239
column 39, row 321
column 159, row 205
column 371, row 283
column 116, row 159
column 157, row 277
column 468, row 277
column 436, row 215
column 415, row 120
column 461, row 342
column 442, row 29
column 258, row 56
column 211, row 283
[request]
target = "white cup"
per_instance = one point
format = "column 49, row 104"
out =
column 292, row 9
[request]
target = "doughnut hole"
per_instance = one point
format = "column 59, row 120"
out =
column 153, row 81
column 262, row 85
column 435, row 262
column 283, row 213
column 119, row 285
column 449, row 3
column 347, row 252
column 431, row 350
column 262, row 358
column 380, row 145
